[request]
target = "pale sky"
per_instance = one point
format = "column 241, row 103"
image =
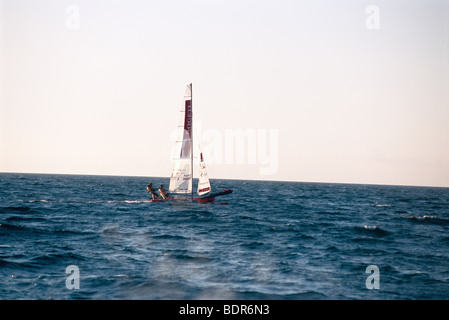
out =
column 325, row 91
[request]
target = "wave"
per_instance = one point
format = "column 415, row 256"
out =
column 372, row 230
column 254, row 295
column 34, row 231
column 39, row 261
column 78, row 202
column 19, row 211
column 5, row 263
column 50, row 258
column 126, row 201
column 253, row 244
column 12, row 227
column 170, row 237
column 427, row 219
column 15, row 209
column 190, row 258
column 19, row 218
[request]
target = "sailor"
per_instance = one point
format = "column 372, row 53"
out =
column 163, row 193
column 151, row 190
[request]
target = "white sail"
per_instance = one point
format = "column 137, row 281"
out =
column 181, row 177
column 182, row 171
column 203, row 180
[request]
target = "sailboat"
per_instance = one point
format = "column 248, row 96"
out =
column 181, row 179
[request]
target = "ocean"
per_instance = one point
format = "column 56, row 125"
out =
column 99, row 237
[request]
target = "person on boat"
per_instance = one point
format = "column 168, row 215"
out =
column 151, row 191
column 163, row 193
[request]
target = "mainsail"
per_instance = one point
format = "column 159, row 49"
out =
column 182, row 171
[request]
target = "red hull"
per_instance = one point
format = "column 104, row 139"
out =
column 206, row 199
column 211, row 197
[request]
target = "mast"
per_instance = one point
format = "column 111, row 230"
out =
column 191, row 138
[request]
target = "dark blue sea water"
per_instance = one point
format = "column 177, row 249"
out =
column 274, row 240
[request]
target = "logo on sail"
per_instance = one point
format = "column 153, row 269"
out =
column 186, row 139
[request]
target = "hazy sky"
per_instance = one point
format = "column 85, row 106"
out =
column 325, row 91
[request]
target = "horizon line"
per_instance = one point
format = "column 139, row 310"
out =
column 236, row 179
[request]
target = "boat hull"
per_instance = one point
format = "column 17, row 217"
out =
column 210, row 198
